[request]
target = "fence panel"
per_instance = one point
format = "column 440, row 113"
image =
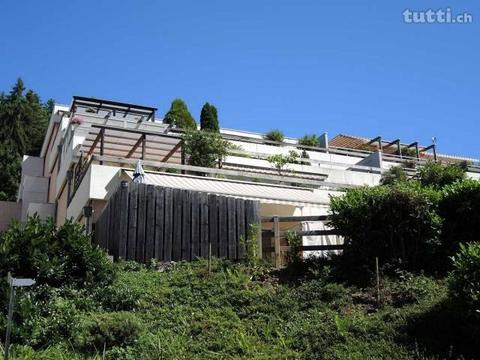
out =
column 143, row 222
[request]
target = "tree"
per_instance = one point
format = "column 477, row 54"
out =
column 205, row 148
column 10, row 169
column 180, row 116
column 209, row 118
column 23, row 121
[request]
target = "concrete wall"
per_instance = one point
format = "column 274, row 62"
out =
column 9, row 211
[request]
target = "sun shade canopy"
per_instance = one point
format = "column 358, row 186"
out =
column 266, row 193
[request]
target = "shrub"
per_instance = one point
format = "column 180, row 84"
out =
column 438, row 175
column 53, row 255
column 280, row 161
column 46, row 315
column 275, row 135
column 107, row 330
column 294, row 242
column 180, row 116
column 397, row 224
column 464, row 279
column 209, row 118
column 309, row 140
column 394, row 175
column 460, row 209
column 205, row 148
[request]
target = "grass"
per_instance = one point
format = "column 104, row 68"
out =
column 234, row 312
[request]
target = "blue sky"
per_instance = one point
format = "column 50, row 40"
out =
column 304, row 66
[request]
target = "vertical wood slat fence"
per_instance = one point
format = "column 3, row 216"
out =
column 143, row 222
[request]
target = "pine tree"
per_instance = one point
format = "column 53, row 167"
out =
column 180, row 116
column 23, row 121
column 209, row 118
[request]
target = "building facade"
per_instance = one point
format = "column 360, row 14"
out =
column 92, row 145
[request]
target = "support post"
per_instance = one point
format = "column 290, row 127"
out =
column 102, row 143
column 144, row 145
column 11, row 304
column 276, row 235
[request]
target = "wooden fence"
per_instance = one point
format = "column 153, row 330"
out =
column 277, row 235
column 143, row 222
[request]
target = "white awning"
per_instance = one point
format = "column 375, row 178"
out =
column 266, row 193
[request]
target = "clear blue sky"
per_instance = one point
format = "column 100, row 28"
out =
column 302, row 66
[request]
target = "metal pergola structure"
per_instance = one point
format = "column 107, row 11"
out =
column 400, row 147
column 113, row 108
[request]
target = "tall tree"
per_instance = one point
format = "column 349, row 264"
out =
column 180, row 116
column 23, row 121
column 209, row 118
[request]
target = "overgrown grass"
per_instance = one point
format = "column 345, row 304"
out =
column 184, row 312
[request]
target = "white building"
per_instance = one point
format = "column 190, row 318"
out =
column 92, row 145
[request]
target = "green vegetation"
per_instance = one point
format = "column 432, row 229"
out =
column 205, row 148
column 53, row 255
column 438, row 175
column 179, row 116
column 23, row 121
column 309, row 140
column 185, row 312
column 465, row 277
column 394, row 175
column 234, row 310
column 280, row 161
column 397, row 224
column 275, row 135
column 209, row 118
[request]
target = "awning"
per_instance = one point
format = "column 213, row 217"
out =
column 266, row 193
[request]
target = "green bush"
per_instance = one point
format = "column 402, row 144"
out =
column 107, row 330
column 53, row 255
column 309, row 140
column 397, row 224
column 464, row 279
column 394, row 175
column 460, row 209
column 205, row 148
column 438, row 175
column 275, row 135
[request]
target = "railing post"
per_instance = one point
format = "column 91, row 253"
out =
column 276, row 235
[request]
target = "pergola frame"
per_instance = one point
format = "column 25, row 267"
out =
column 113, row 107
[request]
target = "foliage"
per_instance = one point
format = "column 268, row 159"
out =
column 409, row 152
column 205, row 148
column 179, row 116
column 460, row 209
column 108, row 330
column 186, row 312
column 280, row 161
column 251, row 244
column 294, row 243
column 10, row 170
column 438, row 175
column 310, row 140
column 464, row 280
column 51, row 255
column 209, row 118
column 23, row 121
column 394, row 175
column 275, row 135
column 397, row 224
